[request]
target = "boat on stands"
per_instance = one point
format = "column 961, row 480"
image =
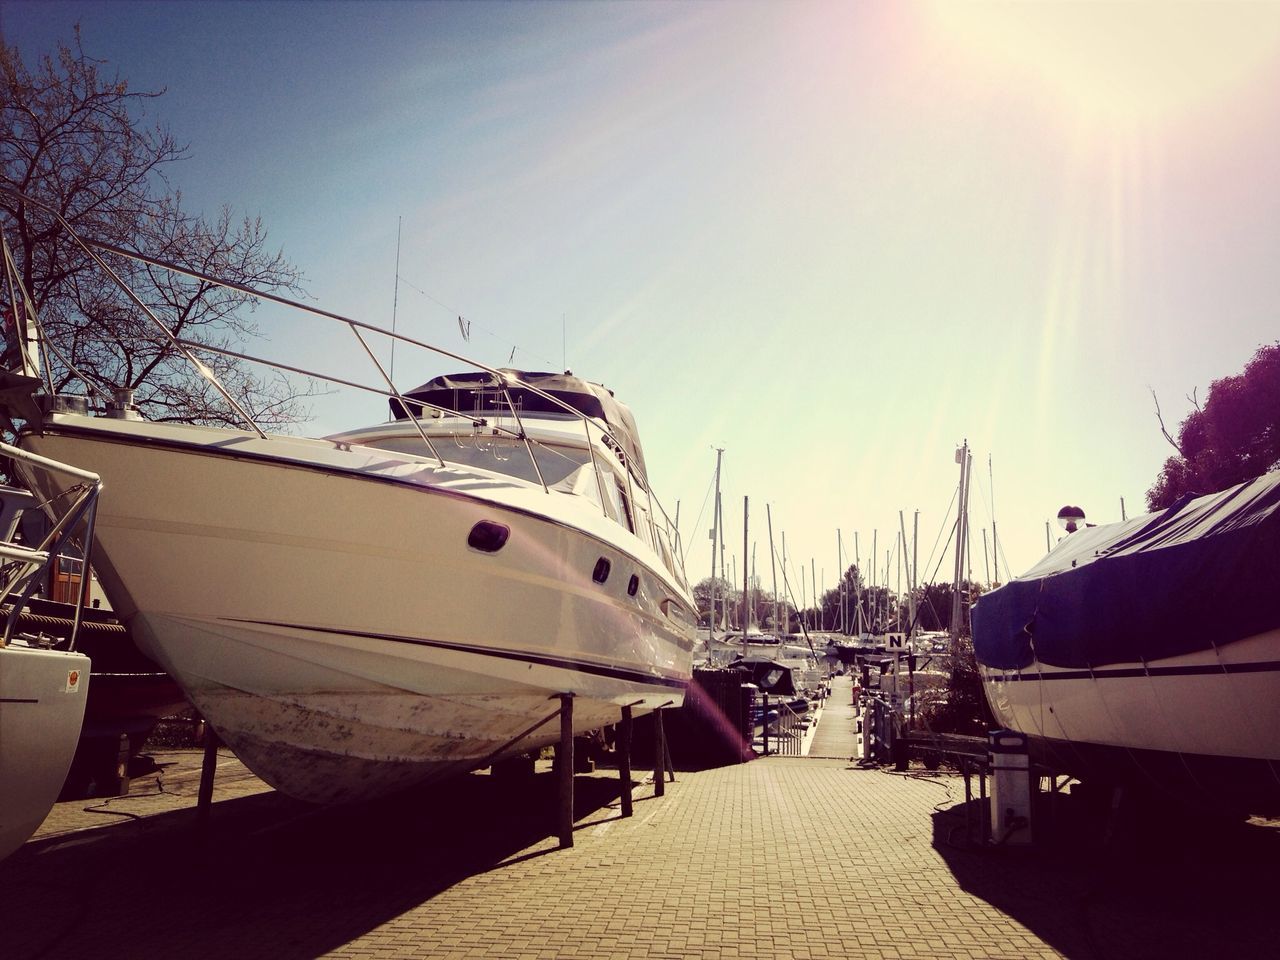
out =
column 128, row 694
column 362, row 612
column 1146, row 653
column 44, row 682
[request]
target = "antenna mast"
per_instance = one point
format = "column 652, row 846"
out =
column 395, row 303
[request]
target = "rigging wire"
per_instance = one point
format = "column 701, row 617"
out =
column 698, row 523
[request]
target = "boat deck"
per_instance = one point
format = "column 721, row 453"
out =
column 800, row 858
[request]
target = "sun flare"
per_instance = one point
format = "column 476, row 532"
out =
column 1118, row 62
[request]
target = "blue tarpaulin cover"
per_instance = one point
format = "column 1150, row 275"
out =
column 1202, row 573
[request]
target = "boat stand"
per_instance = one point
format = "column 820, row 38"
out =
column 659, row 755
column 208, row 767
column 564, row 767
column 624, row 760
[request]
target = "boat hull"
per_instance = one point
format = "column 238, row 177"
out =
column 42, row 698
column 321, row 605
column 1204, row 724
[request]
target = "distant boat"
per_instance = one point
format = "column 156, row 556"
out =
column 1147, row 652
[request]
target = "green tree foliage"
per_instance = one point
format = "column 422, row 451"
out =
column 75, row 139
column 724, row 592
column 965, row 709
column 1233, row 437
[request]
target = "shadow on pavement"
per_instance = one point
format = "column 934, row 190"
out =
column 1149, row 883
column 271, row 877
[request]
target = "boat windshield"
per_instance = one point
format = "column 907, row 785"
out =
column 500, row 454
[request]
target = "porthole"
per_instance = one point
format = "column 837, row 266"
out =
column 601, row 572
column 633, row 585
column 488, row 537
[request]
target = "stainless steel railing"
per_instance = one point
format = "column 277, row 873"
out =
column 597, row 433
column 23, row 567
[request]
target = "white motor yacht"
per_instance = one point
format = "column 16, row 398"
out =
column 358, row 613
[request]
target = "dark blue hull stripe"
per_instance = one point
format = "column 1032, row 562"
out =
column 578, row 666
column 1107, row 673
column 16, row 700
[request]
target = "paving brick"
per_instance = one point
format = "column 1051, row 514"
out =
column 790, row 858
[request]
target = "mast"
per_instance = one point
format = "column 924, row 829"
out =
column 857, row 562
column 785, row 584
column 803, row 593
column 995, row 540
column 962, row 458
column 813, row 587
column 724, row 607
column 746, row 575
column 773, row 565
column 395, row 303
column 715, row 530
column 902, row 550
column 875, row 575
column 844, row 620
column 911, row 574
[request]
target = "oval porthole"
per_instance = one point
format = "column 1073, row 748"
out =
column 601, row 572
column 488, row 537
column 633, row 585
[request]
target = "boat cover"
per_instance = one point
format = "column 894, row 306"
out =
column 1204, row 572
column 477, row 393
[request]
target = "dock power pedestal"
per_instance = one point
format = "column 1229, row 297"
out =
column 1010, row 768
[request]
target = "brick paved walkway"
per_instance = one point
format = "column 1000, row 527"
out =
column 780, row 857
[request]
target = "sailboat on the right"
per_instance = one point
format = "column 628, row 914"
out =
column 1146, row 653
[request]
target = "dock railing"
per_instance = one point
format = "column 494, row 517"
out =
column 782, row 727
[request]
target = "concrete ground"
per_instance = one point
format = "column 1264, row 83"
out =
column 780, row 857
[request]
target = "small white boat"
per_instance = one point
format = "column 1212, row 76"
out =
column 42, row 690
column 1147, row 652
column 42, row 697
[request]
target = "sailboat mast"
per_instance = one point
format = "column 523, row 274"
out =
column 773, row 565
column 840, row 573
column 875, row 576
column 857, row 562
column 911, row 585
column 813, row 586
column 715, row 530
column 962, row 458
column 746, row 576
column 995, row 540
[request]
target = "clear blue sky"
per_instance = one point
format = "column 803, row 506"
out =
column 834, row 238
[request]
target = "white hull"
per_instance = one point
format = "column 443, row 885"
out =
column 320, row 605
column 1195, row 716
column 42, row 697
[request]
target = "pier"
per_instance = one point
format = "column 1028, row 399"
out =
column 783, row 857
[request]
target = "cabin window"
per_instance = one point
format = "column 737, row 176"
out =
column 488, row 537
column 624, row 501
column 633, row 585
column 601, row 572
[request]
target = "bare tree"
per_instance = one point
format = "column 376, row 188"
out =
column 75, row 140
